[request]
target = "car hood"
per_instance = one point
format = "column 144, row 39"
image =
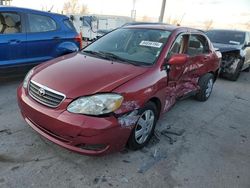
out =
column 78, row 75
column 226, row 47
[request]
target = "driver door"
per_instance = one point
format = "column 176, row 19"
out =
column 176, row 77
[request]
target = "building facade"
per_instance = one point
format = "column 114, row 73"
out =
column 5, row 2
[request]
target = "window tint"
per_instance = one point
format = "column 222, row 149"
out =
column 10, row 23
column 70, row 25
column 38, row 23
column 197, row 45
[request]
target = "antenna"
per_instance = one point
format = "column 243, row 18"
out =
column 51, row 8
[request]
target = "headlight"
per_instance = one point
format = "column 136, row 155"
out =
column 96, row 105
column 27, row 78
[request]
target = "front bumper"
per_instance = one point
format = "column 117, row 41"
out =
column 79, row 133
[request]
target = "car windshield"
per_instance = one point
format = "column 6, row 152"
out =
column 134, row 46
column 226, row 37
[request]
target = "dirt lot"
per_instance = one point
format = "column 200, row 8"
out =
column 214, row 150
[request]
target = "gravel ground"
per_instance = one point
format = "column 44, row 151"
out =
column 214, row 150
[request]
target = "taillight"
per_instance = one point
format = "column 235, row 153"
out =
column 78, row 38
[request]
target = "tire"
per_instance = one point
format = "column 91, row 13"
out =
column 247, row 69
column 138, row 142
column 206, row 83
column 236, row 74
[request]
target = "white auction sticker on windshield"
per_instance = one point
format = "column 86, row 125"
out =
column 151, row 44
column 234, row 42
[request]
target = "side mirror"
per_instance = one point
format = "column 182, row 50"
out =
column 178, row 59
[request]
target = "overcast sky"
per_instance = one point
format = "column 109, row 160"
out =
column 224, row 13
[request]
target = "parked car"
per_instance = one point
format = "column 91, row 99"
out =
column 235, row 49
column 112, row 93
column 29, row 37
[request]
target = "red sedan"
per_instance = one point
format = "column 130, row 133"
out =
column 111, row 94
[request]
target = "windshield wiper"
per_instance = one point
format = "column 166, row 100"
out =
column 112, row 56
column 105, row 55
column 93, row 52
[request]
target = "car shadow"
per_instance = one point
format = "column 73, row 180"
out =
column 5, row 80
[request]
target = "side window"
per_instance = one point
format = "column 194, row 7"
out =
column 10, row 23
column 179, row 46
column 69, row 24
column 38, row 23
column 197, row 45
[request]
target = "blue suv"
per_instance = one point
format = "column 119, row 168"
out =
column 29, row 37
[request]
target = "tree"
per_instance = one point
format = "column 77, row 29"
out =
column 146, row 19
column 208, row 24
column 174, row 21
column 74, row 7
column 248, row 25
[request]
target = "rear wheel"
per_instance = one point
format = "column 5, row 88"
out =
column 144, row 127
column 206, row 84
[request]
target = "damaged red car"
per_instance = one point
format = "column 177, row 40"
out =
column 111, row 94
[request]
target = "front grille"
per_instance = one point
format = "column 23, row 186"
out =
column 45, row 95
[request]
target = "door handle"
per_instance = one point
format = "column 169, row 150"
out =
column 56, row 38
column 14, row 41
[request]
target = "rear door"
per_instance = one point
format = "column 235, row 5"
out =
column 12, row 39
column 43, row 36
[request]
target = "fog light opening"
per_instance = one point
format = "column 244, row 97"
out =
column 92, row 147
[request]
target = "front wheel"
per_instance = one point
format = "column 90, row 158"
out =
column 237, row 66
column 206, row 84
column 144, row 127
column 247, row 69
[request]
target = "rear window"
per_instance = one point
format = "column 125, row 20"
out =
column 69, row 25
column 39, row 23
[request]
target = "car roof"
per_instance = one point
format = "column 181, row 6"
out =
column 20, row 9
column 161, row 26
column 144, row 23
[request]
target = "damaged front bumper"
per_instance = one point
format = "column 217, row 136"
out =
column 230, row 63
column 79, row 133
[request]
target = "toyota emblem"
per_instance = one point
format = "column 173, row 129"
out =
column 41, row 92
